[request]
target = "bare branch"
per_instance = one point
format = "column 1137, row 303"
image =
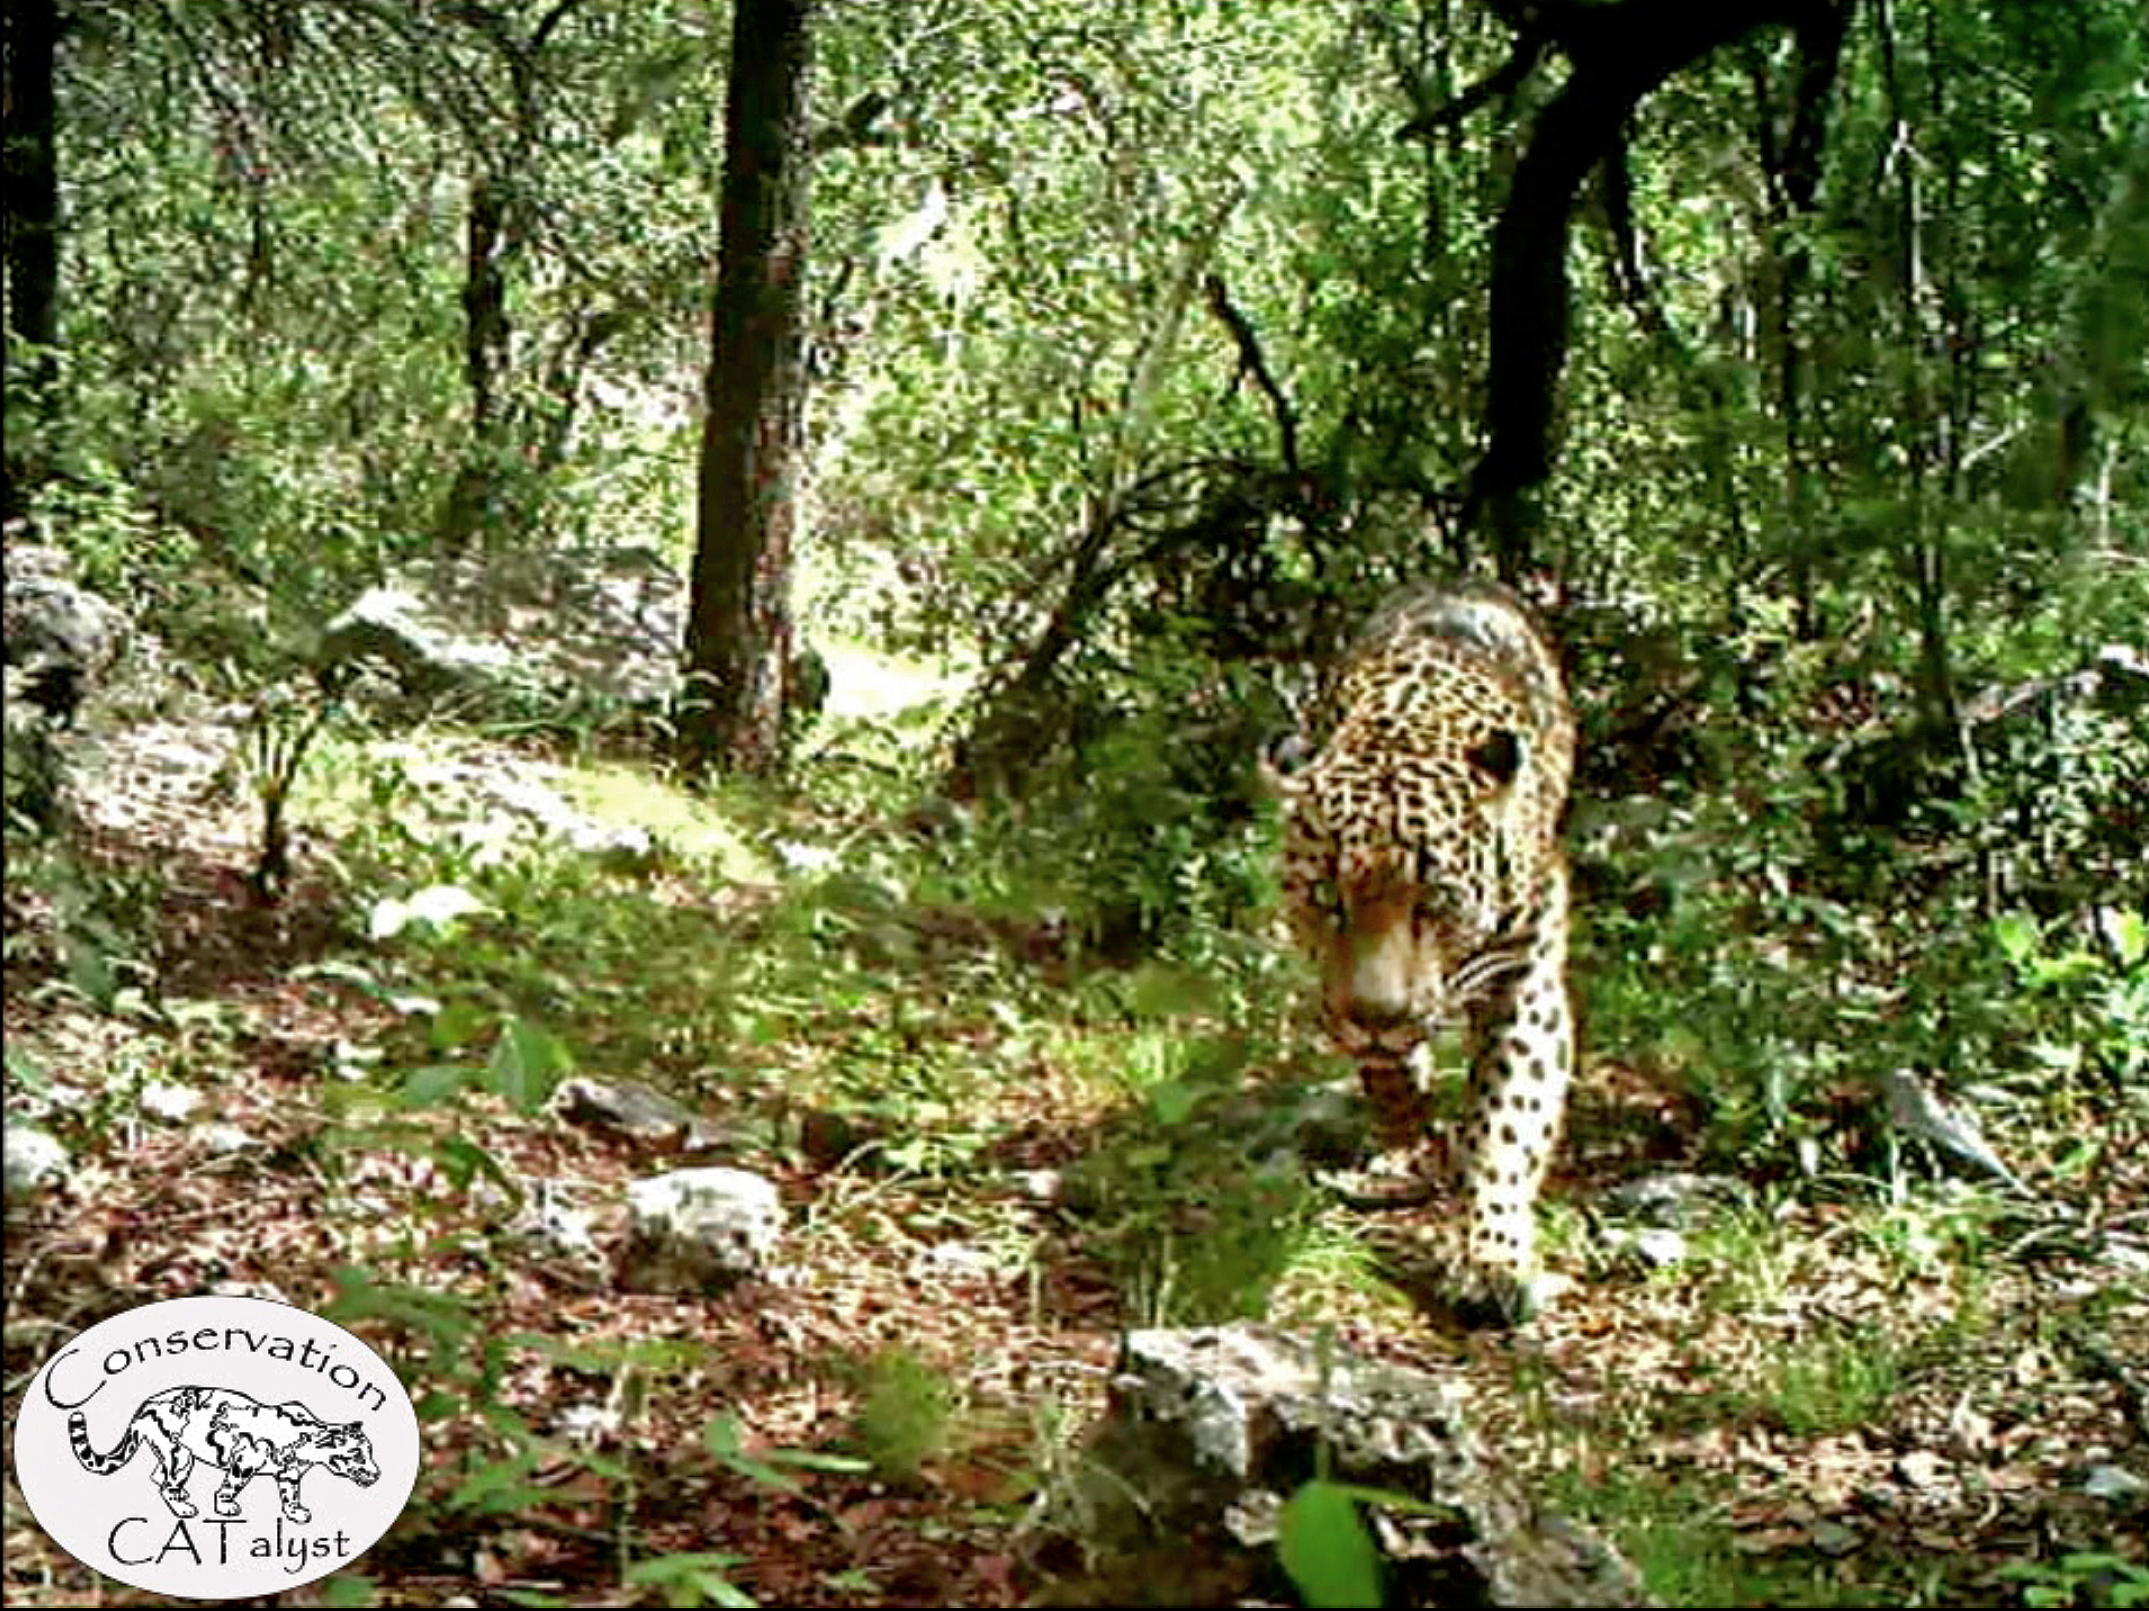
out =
column 1251, row 362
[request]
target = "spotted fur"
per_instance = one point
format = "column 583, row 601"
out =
column 1423, row 869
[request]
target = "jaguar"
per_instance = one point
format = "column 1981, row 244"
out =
column 1424, row 876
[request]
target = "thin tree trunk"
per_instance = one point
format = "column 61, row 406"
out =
column 485, row 357
column 739, row 622
column 33, row 236
column 1924, row 554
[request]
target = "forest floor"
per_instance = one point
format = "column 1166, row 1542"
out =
column 1933, row 1397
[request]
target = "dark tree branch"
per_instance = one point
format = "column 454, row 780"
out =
column 859, row 126
column 1504, row 80
column 1620, row 53
column 1251, row 362
column 1617, row 179
column 1820, row 59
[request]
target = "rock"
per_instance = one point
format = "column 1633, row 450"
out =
column 495, row 631
column 62, row 638
column 633, row 1109
column 32, row 1160
column 699, row 1230
column 1047, row 1186
column 2115, row 1483
column 62, row 642
column 1210, row 1431
column 961, row 1261
column 174, row 1104
column 1656, row 1247
column 1676, row 1199
column 559, row 1235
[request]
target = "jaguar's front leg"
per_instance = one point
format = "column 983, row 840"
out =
column 1522, row 1060
column 1406, row 1166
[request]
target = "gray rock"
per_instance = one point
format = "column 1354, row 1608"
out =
column 633, row 1109
column 32, row 1160
column 559, row 1235
column 1675, row 1198
column 1217, row 1427
column 2112, row 1482
column 1657, row 1247
column 62, row 643
column 174, row 1104
column 223, row 1140
column 1917, row 1109
column 63, row 639
column 495, row 631
column 699, row 1230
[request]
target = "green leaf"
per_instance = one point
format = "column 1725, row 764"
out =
column 2126, row 932
column 693, row 1579
column 2017, row 934
column 1173, row 1103
column 458, row 1024
column 1326, row 1548
column 815, row 1460
column 526, row 1062
column 724, row 1437
column 463, row 1161
column 434, row 1083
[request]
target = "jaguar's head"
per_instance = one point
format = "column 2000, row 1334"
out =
column 1400, row 871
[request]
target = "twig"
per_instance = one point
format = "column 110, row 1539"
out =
column 1251, row 362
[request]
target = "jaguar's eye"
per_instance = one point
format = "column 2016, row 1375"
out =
column 1498, row 755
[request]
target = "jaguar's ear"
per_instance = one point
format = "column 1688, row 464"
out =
column 1498, row 755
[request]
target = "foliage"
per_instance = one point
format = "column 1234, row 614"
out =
column 906, row 1412
column 1325, row 1547
column 2085, row 1577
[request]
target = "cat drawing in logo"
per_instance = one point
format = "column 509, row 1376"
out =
column 240, row 1436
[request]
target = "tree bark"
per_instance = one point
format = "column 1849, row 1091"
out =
column 485, row 358
column 33, row 234
column 738, row 644
column 486, row 493
column 1620, row 54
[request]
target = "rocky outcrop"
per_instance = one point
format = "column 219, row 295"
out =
column 1212, row 1432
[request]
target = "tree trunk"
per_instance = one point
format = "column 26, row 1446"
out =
column 485, row 358
column 1620, row 54
column 33, row 236
column 492, row 492
column 739, row 622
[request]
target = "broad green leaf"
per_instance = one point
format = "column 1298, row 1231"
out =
column 2017, row 934
column 2126, row 932
column 432, row 1084
column 1327, row 1550
column 526, row 1062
